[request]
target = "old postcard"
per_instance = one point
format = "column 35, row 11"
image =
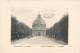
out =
column 39, row 26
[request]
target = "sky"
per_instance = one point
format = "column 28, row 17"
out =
column 27, row 11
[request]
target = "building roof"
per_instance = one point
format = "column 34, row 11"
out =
column 39, row 20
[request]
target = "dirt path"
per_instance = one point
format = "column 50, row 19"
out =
column 36, row 40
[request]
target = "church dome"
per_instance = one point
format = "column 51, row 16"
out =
column 39, row 26
column 39, row 20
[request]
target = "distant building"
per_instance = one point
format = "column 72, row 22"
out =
column 39, row 26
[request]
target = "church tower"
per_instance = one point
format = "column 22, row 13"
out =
column 39, row 26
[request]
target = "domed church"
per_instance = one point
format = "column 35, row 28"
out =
column 39, row 26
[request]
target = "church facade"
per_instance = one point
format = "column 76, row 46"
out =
column 39, row 26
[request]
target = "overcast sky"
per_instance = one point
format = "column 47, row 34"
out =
column 27, row 11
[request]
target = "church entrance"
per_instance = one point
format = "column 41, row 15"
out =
column 39, row 33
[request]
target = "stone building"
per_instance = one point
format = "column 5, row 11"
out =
column 39, row 26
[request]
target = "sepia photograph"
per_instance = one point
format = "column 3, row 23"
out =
column 39, row 25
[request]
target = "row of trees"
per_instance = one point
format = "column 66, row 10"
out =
column 59, row 30
column 19, row 29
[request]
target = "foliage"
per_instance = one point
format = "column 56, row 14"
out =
column 59, row 30
column 19, row 29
